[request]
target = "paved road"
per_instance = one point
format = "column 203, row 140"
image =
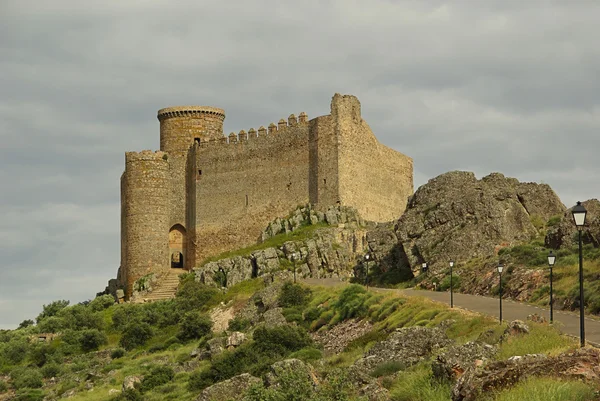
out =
column 511, row 310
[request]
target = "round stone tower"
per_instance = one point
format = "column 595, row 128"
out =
column 145, row 214
column 181, row 125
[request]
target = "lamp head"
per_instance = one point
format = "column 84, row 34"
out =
column 579, row 214
column 451, row 263
column 551, row 259
column 500, row 268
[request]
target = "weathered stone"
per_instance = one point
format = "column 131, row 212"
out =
column 516, row 327
column 536, row 318
column 335, row 340
column 455, row 215
column 289, row 366
column 235, row 339
column 131, row 382
column 582, row 364
column 229, row 390
column 215, row 346
column 274, row 317
column 452, row 363
column 563, row 233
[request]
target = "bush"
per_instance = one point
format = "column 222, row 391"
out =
column 193, row 295
column 307, row 354
column 194, row 325
column 129, row 395
column 102, row 302
column 281, row 340
column 293, row 295
column 135, row 334
column 158, row 376
column 26, row 378
column 352, row 302
column 51, row 309
column 52, row 324
column 92, row 339
column 117, row 353
column 293, row 315
column 3, row 386
column 388, row 368
column 78, row 317
column 29, row 394
column 25, row 323
column 15, row 350
column 238, row 324
column 51, row 370
column 126, row 314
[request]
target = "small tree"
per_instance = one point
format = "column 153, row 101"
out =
column 135, row 335
column 92, row 339
column 51, row 309
column 194, row 325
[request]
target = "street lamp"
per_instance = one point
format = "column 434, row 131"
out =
column 367, row 257
column 579, row 214
column 551, row 260
column 424, row 267
column 294, row 263
column 451, row 293
column 500, row 268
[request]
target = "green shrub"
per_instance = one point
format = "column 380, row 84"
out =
column 417, row 384
column 281, row 340
column 445, row 283
column 51, row 309
column 192, row 296
column 126, row 314
column 194, row 325
column 26, row 377
column 129, row 395
column 15, row 350
column 135, row 334
column 388, row 368
column 102, row 302
column 92, row 339
column 79, row 317
column 117, row 353
column 158, row 376
column 352, row 302
column 238, row 324
column 29, row 394
column 293, row 295
column 3, row 386
column 545, row 388
column 307, row 354
column 25, row 323
column 157, row 348
column 293, row 315
column 323, row 319
column 51, row 370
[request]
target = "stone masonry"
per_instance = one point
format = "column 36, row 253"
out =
column 205, row 192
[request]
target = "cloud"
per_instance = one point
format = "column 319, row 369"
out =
column 482, row 86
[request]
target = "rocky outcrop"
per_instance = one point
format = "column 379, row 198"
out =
column 326, row 252
column 307, row 215
column 337, row 338
column 451, row 364
column 291, row 366
column 408, row 345
column 229, row 390
column 455, row 216
column 582, row 364
column 388, row 255
column 563, row 233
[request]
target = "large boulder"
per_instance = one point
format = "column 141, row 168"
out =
column 408, row 345
column 563, row 232
column 388, row 254
column 291, row 367
column 229, row 390
column 582, row 364
column 451, row 364
column 456, row 216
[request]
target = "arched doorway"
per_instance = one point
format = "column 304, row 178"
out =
column 177, row 242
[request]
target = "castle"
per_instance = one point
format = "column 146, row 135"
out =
column 204, row 192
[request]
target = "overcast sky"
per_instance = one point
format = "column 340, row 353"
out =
column 485, row 86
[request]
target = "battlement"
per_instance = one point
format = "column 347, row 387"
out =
column 190, row 112
column 274, row 129
column 145, row 155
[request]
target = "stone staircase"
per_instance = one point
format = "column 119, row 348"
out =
column 166, row 286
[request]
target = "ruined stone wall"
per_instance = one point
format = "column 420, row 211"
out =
column 373, row 178
column 146, row 214
column 243, row 183
column 324, row 185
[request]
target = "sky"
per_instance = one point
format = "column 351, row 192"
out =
column 483, row 86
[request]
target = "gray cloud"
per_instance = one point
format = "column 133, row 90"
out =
column 505, row 86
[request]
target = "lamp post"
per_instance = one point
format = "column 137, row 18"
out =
column 294, row 263
column 500, row 268
column 451, row 290
column 367, row 257
column 551, row 260
column 424, row 267
column 579, row 214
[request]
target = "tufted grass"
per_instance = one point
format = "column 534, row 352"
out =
column 417, row 384
column 546, row 389
column 542, row 339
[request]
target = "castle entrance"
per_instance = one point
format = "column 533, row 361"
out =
column 177, row 242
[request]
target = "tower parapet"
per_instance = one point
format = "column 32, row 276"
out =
column 180, row 126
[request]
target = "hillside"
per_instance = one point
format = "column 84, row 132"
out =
column 280, row 341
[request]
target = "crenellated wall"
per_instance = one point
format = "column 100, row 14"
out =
column 246, row 179
column 205, row 193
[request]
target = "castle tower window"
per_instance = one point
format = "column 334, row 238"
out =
column 199, row 172
column 246, row 200
column 324, row 181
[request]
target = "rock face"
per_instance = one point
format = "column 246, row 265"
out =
column 289, row 366
column 563, row 233
column 408, row 345
column 581, row 364
column 450, row 365
column 388, row 255
column 227, row 390
column 455, row 216
column 327, row 252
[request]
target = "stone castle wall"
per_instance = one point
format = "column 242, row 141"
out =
column 210, row 193
column 241, row 184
